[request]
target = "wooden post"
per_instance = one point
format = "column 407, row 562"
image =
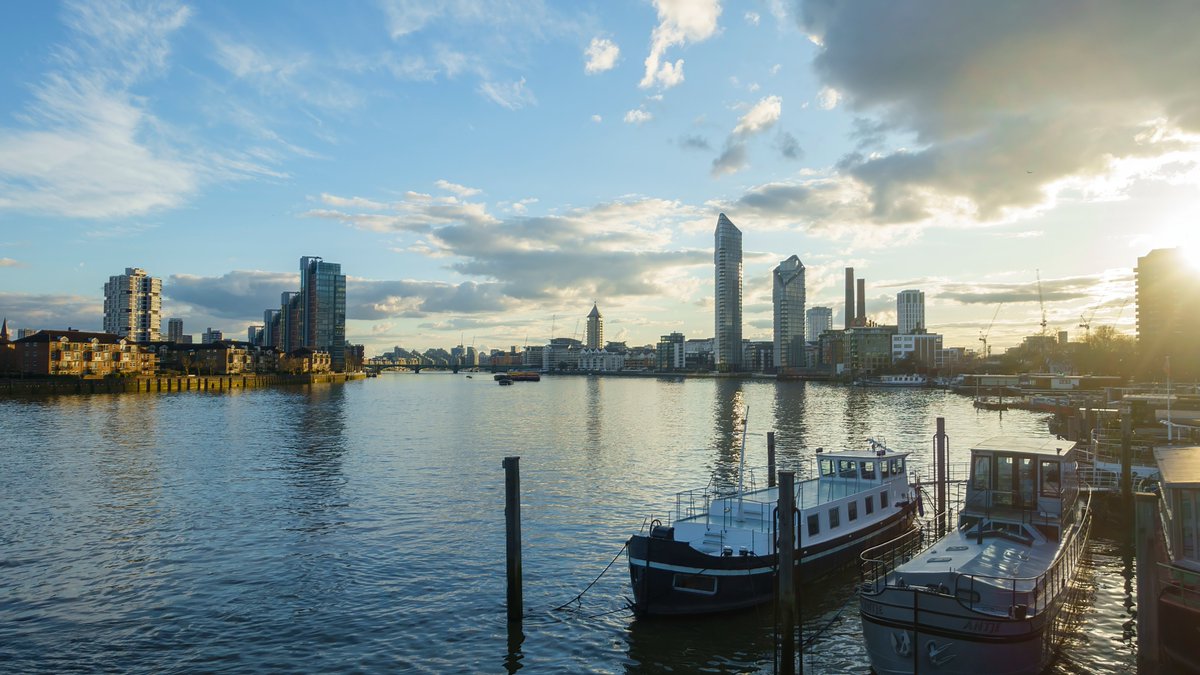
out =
column 512, row 532
column 770, row 459
column 939, row 451
column 1144, row 536
column 1127, row 457
column 787, row 573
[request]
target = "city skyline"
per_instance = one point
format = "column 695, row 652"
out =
column 490, row 182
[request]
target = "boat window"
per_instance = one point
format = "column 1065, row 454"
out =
column 1025, row 476
column 814, row 525
column 897, row 466
column 870, row 504
column 867, row 470
column 827, row 467
column 846, row 468
column 981, row 473
column 834, row 517
column 1051, row 478
column 852, row 511
column 695, row 583
column 883, row 502
column 1004, row 481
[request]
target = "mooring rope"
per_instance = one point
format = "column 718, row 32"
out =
column 589, row 586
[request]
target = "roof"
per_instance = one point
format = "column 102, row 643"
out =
column 595, row 311
column 1028, row 445
column 1179, row 466
column 72, row 336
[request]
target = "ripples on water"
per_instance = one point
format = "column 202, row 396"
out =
column 360, row 527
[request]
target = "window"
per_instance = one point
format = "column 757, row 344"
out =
column 981, row 473
column 1005, row 465
column 834, row 517
column 1051, row 477
column 695, row 583
column 883, row 502
column 870, row 505
column 846, row 468
column 867, row 469
column 852, row 511
column 814, row 525
column 827, row 467
column 1025, row 480
column 883, row 470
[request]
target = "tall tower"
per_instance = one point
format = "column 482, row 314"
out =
column 787, row 295
column 323, row 309
column 727, row 258
column 133, row 305
column 175, row 330
column 860, row 319
column 1168, row 293
column 850, row 297
column 595, row 328
column 817, row 321
column 910, row 312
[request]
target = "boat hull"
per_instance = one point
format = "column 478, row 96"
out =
column 671, row 578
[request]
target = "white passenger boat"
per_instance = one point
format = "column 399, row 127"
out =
column 984, row 598
column 895, row 381
column 717, row 550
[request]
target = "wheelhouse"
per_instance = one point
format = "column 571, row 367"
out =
column 1022, row 482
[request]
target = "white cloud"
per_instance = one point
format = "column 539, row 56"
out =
column 638, row 116
column 601, row 56
column 762, row 116
column 597, row 119
column 828, row 98
column 680, row 21
column 9, row 262
column 460, row 190
column 511, row 95
column 752, row 18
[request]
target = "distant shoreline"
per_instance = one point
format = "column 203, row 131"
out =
column 162, row 384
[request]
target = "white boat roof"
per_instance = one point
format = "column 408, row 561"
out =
column 1179, row 466
column 1040, row 445
column 870, row 452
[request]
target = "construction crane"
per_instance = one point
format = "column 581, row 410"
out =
column 1041, row 302
column 1085, row 322
column 984, row 335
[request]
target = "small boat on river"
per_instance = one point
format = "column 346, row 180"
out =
column 717, row 549
column 895, row 381
column 986, row 596
column 1177, row 590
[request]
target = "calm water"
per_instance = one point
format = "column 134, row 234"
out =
column 361, row 527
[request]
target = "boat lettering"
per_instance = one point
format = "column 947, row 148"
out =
column 982, row 627
column 872, row 607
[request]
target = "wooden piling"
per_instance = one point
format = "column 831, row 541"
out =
column 512, row 532
column 1127, row 457
column 787, row 573
column 939, row 451
column 1144, row 541
column 770, row 459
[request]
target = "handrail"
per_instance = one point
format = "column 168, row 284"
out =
column 877, row 562
column 1181, row 582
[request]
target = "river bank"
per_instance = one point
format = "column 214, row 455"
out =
column 173, row 383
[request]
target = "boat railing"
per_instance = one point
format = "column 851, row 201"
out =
column 877, row 562
column 1180, row 585
column 1026, row 597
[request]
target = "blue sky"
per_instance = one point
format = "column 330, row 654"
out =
column 488, row 169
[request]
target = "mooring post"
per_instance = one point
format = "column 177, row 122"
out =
column 512, row 532
column 939, row 441
column 1144, row 538
column 1127, row 457
column 787, row 572
column 770, row 459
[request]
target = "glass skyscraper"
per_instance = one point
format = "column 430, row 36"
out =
column 787, row 295
column 727, row 258
column 323, row 309
column 910, row 311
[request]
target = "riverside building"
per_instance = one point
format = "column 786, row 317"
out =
column 133, row 306
column 727, row 259
column 787, row 296
column 323, row 309
column 910, row 312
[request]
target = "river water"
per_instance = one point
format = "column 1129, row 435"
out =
column 360, row 527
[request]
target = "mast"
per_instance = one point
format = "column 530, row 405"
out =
column 742, row 461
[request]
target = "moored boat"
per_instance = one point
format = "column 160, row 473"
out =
column 1178, row 576
column 986, row 596
column 717, row 551
column 519, row 376
column 895, row 381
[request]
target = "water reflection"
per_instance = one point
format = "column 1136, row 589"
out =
column 729, row 418
column 314, row 426
column 594, row 411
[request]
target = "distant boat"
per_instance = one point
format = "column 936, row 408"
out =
column 519, row 376
column 988, row 404
column 986, row 596
column 895, row 381
column 504, row 380
column 718, row 553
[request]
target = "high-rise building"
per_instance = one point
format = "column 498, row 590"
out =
column 323, row 319
column 595, row 329
column 1168, row 294
column 210, row 336
column 817, row 321
column 175, row 330
column 787, row 295
column 910, row 312
column 133, row 305
column 270, row 335
column 291, row 322
column 727, row 258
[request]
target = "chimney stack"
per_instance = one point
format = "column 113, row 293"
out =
column 861, row 317
column 849, row 296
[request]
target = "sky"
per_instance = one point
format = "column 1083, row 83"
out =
column 486, row 170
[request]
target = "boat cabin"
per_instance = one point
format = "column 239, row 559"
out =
column 1180, row 505
column 1022, row 481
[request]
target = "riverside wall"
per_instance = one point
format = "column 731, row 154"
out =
column 156, row 384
